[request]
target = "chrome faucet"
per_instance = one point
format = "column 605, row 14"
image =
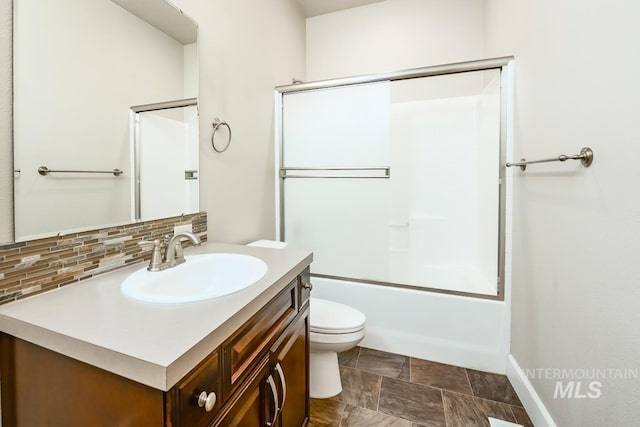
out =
column 173, row 254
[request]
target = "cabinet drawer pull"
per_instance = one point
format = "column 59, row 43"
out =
column 283, row 382
column 207, row 400
column 274, row 390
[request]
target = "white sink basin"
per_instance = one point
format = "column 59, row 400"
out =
column 200, row 277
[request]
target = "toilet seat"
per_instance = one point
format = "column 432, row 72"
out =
column 333, row 318
column 336, row 339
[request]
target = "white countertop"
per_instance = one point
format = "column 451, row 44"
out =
column 154, row 344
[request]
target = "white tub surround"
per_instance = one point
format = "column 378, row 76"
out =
column 452, row 329
column 153, row 344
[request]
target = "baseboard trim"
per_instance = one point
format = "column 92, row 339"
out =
column 528, row 395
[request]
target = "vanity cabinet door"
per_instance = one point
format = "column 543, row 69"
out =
column 248, row 344
column 275, row 393
column 250, row 405
column 290, row 369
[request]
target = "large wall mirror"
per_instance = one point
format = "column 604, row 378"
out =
column 82, row 71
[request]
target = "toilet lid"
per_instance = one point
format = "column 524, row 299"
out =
column 329, row 317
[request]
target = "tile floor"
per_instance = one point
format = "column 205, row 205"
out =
column 386, row 389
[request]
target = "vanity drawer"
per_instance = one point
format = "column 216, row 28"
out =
column 204, row 379
column 242, row 351
column 305, row 287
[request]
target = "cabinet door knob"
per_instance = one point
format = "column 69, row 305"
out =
column 306, row 285
column 207, row 400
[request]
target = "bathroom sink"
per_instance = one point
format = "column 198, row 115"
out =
column 200, row 277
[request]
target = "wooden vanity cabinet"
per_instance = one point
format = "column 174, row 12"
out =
column 259, row 377
column 304, row 286
column 273, row 389
column 275, row 393
column 249, row 406
column 44, row 388
column 290, row 365
column 242, row 350
column 183, row 404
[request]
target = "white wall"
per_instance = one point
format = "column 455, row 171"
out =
column 6, row 139
column 72, row 97
column 246, row 48
column 499, row 28
column 576, row 238
column 394, row 35
column 191, row 76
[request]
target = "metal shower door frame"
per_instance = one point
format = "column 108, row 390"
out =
column 503, row 64
column 134, row 130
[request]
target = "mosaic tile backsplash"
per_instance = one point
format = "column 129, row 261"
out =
column 36, row 266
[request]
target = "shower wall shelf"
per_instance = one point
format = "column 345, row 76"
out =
column 585, row 157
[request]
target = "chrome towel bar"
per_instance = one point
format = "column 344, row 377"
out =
column 43, row 170
column 585, row 157
column 284, row 172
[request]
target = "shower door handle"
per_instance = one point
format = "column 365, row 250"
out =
column 357, row 172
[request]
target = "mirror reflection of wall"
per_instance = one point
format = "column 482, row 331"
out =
column 6, row 160
column 79, row 66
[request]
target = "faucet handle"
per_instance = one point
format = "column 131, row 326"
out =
column 156, row 257
column 143, row 243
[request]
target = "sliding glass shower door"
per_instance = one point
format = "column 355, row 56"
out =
column 165, row 142
column 336, row 182
column 396, row 182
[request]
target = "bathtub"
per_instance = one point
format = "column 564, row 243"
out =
column 457, row 330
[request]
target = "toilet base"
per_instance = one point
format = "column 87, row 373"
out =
column 325, row 375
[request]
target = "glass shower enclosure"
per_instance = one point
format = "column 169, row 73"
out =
column 164, row 159
column 396, row 179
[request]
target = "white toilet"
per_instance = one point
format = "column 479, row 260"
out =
column 334, row 328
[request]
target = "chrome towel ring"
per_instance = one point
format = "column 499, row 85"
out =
column 216, row 125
